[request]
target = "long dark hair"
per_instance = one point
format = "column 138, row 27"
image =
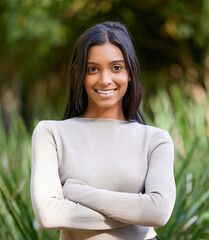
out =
column 117, row 34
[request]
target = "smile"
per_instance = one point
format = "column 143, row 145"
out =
column 105, row 91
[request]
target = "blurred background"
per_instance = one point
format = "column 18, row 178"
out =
column 171, row 38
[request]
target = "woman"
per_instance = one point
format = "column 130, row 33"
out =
column 101, row 173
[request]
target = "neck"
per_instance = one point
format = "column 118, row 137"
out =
column 108, row 113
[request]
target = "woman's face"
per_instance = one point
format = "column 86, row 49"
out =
column 106, row 80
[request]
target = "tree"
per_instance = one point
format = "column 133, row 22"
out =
column 171, row 39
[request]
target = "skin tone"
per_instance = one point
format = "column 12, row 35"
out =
column 106, row 82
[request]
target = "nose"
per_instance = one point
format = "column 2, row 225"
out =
column 105, row 78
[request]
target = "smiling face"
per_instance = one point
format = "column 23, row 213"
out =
column 106, row 81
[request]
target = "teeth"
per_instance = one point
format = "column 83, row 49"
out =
column 105, row 92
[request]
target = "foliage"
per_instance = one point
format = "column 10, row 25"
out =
column 186, row 121
column 170, row 36
column 182, row 116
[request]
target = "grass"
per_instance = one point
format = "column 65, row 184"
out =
column 182, row 116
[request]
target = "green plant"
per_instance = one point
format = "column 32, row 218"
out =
column 185, row 119
column 17, row 220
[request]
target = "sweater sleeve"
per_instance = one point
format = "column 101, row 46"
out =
column 152, row 208
column 51, row 209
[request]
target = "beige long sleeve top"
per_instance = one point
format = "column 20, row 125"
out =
column 102, row 179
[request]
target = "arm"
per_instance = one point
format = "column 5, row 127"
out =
column 50, row 207
column 153, row 208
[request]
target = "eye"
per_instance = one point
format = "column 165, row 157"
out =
column 117, row 68
column 92, row 69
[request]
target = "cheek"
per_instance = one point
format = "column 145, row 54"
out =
column 89, row 86
column 124, row 80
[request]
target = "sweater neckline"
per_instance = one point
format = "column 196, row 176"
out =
column 92, row 119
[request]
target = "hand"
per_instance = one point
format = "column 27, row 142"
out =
column 73, row 188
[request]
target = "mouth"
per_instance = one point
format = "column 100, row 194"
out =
column 108, row 91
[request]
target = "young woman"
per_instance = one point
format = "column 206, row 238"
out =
column 102, row 174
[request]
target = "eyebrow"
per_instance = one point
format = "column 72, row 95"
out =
column 115, row 61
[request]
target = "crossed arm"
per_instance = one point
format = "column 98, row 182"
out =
column 153, row 208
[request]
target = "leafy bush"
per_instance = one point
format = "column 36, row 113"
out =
column 16, row 215
column 186, row 121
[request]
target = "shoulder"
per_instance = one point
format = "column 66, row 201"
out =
column 159, row 139
column 158, row 135
column 153, row 136
column 44, row 126
column 150, row 131
column 50, row 125
column 55, row 128
column 156, row 132
column 156, row 141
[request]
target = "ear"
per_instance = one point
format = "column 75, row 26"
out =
column 129, row 78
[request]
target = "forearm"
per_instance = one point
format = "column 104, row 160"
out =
column 152, row 208
column 130, row 208
column 60, row 213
